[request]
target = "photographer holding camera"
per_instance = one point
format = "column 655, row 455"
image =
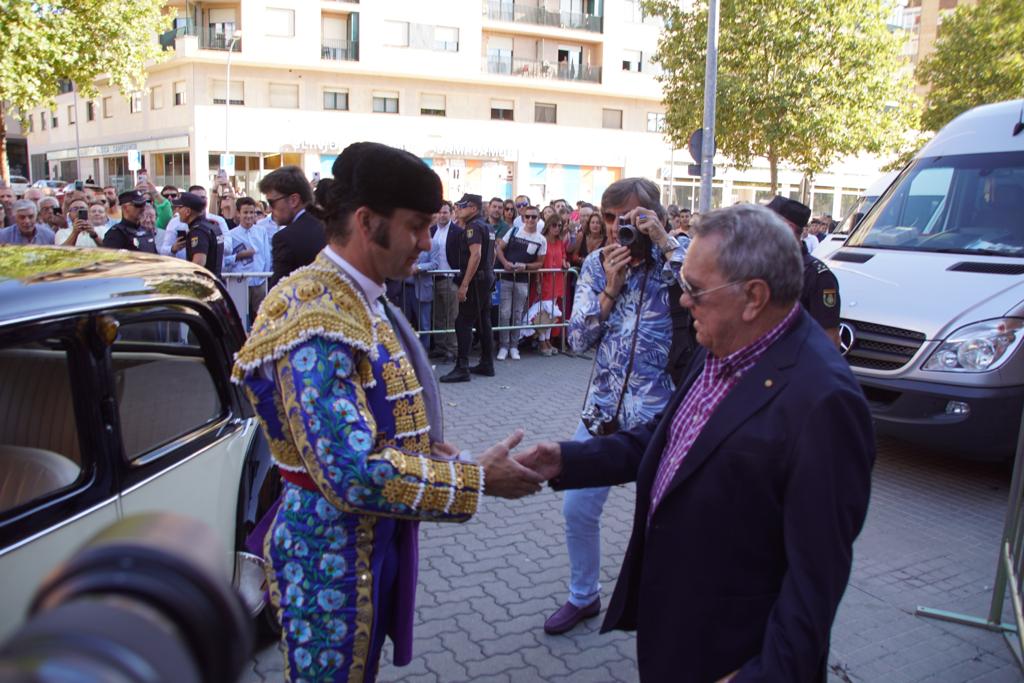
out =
column 622, row 307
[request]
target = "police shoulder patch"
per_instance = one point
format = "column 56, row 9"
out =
column 195, row 241
column 828, row 297
column 469, row 233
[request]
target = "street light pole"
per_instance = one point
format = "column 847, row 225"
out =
column 227, row 95
column 78, row 144
column 707, row 161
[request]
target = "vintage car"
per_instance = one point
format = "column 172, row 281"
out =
column 116, row 400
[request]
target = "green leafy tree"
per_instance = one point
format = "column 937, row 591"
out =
column 46, row 41
column 978, row 59
column 802, row 81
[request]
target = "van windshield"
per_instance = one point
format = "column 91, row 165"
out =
column 966, row 204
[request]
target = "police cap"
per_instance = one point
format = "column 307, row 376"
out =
column 190, row 201
column 790, row 209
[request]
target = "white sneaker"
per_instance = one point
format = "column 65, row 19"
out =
column 503, row 353
column 514, row 353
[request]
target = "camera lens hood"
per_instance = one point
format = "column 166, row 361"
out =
column 174, row 565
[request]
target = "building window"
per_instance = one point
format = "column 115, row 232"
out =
column 280, row 22
column 156, row 97
column 446, row 38
column 611, row 118
column 284, row 96
column 655, row 122
column 501, row 110
column 499, row 55
column 432, row 105
column 396, row 33
column 385, row 102
column 179, row 94
column 632, row 60
column 72, row 118
column 335, row 100
column 135, row 103
column 545, row 113
column 90, row 111
column 53, row 119
column 42, row 120
column 220, row 90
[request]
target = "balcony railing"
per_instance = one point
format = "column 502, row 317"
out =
column 213, row 40
column 527, row 14
column 208, row 40
column 532, row 69
column 342, row 50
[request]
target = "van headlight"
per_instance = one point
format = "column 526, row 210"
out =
column 977, row 348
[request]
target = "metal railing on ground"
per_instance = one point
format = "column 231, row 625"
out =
column 560, row 283
column 1009, row 580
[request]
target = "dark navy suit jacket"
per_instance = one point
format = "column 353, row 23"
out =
column 748, row 553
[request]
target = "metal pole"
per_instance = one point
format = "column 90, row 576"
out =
column 78, row 144
column 671, row 175
column 710, row 85
column 227, row 97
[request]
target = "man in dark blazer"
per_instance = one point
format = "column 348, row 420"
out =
column 753, row 484
column 301, row 236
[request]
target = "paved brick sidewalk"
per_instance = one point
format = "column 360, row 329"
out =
column 487, row 586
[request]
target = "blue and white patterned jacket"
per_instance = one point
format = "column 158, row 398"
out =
column 650, row 385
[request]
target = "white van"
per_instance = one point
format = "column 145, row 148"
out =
column 932, row 284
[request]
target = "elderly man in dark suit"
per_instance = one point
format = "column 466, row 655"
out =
column 301, row 236
column 753, row 484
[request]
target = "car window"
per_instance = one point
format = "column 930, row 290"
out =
column 971, row 204
column 163, row 386
column 40, row 450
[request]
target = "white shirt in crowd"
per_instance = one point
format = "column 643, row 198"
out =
column 83, row 240
column 812, row 242
column 441, row 238
column 538, row 243
column 254, row 238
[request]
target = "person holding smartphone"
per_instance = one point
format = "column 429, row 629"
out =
column 79, row 232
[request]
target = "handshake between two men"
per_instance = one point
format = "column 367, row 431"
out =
column 514, row 476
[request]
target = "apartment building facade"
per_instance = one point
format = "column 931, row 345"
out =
column 550, row 98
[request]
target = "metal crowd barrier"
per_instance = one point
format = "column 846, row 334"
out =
column 238, row 290
column 1009, row 570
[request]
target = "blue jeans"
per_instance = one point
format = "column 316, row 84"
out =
column 582, row 511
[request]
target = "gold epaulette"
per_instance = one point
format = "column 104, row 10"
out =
column 317, row 300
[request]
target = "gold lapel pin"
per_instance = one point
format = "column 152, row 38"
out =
column 768, row 384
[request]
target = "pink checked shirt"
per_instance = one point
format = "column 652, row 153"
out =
column 718, row 378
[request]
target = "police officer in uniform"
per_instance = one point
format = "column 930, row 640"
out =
column 204, row 243
column 129, row 234
column 475, row 280
column 820, row 295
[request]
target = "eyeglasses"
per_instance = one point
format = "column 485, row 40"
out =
column 696, row 294
column 170, row 195
column 521, row 205
column 532, row 217
column 272, row 200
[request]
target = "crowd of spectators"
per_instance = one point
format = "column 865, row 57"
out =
column 538, row 254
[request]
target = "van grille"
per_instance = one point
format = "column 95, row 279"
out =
column 879, row 347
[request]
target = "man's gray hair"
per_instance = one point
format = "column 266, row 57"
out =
column 25, row 205
column 646, row 192
column 756, row 244
column 50, row 202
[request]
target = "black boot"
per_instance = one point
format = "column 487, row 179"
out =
column 481, row 369
column 458, row 374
